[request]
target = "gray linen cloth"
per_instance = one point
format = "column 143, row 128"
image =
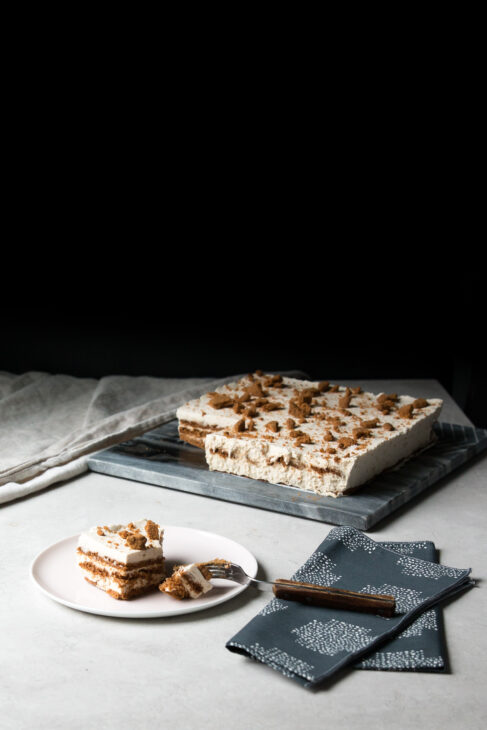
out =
column 50, row 423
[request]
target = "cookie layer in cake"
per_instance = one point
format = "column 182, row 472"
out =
column 313, row 435
column 123, row 560
column 188, row 581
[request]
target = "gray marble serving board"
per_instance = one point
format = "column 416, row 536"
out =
column 160, row 458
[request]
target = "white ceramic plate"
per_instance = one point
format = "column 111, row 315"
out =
column 56, row 573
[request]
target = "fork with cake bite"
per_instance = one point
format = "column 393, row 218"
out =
column 291, row 590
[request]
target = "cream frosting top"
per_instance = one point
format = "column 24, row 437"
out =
column 308, row 416
column 130, row 544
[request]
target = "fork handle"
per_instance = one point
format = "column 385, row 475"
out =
column 291, row 590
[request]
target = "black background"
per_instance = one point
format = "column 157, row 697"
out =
column 218, row 249
column 334, row 314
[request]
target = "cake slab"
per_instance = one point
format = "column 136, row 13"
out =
column 160, row 458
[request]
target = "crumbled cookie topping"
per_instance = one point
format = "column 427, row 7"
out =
column 387, row 397
column 299, row 409
column 385, row 403
column 360, row 432
column 219, row 400
column 335, row 421
column 302, row 438
column 255, row 389
column 271, row 406
column 344, row 401
column 251, row 411
column 133, row 538
column 405, row 411
column 345, row 441
column 152, row 530
column 136, row 542
column 370, row 424
column 273, row 381
column 239, row 426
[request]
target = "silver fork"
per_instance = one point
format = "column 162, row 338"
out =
column 235, row 573
column 291, row 590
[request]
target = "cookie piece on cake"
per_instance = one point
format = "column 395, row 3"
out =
column 123, row 560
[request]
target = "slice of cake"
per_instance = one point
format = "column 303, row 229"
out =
column 123, row 560
column 188, row 581
column 328, row 439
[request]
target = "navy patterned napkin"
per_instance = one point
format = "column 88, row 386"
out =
column 421, row 646
column 309, row 644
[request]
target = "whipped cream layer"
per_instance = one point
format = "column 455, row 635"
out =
column 107, row 542
column 123, row 588
column 311, row 435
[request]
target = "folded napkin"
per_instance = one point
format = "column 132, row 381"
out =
column 421, row 646
column 309, row 644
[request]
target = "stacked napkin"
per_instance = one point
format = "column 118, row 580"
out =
column 309, row 644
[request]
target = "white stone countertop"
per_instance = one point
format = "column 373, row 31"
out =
column 62, row 668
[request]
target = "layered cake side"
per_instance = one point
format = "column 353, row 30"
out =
column 123, row 560
column 322, row 437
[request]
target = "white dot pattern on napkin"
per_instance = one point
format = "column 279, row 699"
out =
column 411, row 659
column 405, row 548
column 406, row 598
column 427, row 620
column 281, row 660
column 318, row 569
column 332, row 637
column 423, row 569
column 273, row 606
column 352, row 539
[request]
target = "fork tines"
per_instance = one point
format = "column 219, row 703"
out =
column 218, row 570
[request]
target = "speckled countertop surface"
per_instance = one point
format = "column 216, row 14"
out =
column 65, row 668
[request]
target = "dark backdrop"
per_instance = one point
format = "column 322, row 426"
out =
column 216, row 227
column 334, row 314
